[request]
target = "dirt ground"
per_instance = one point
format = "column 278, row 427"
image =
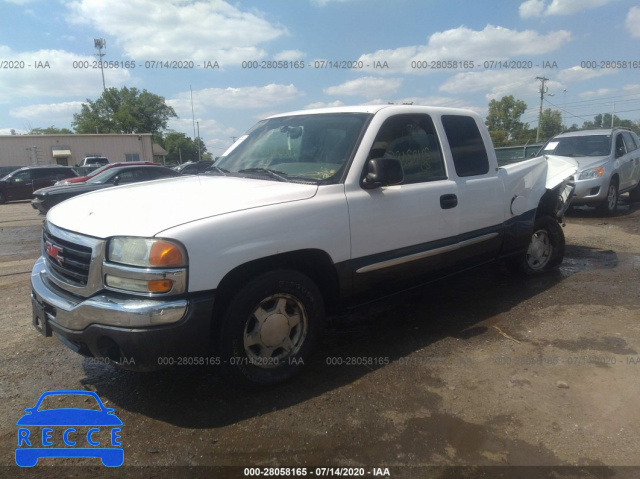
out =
column 481, row 370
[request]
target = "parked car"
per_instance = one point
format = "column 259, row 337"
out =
column 46, row 198
column 95, row 161
column 82, row 179
column 309, row 211
column 20, row 184
column 609, row 164
column 194, row 168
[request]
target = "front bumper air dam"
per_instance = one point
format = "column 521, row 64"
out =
column 131, row 332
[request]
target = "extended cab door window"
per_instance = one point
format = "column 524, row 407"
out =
column 467, row 148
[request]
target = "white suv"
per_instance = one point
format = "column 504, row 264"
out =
column 609, row 164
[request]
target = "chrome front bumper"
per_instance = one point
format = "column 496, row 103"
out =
column 109, row 309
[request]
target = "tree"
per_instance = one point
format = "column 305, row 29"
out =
column 181, row 148
column 499, row 138
column 51, row 130
column 124, row 111
column 604, row 121
column 550, row 123
column 504, row 115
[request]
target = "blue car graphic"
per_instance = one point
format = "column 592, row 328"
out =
column 70, row 418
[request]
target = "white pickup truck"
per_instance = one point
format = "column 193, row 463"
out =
column 306, row 212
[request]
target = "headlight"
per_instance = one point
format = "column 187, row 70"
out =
column 592, row 173
column 146, row 252
column 148, row 266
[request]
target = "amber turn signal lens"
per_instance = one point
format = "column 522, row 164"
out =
column 164, row 253
column 160, row 285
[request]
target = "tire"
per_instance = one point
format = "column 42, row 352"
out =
column 609, row 205
column 3, row 199
column 269, row 329
column 545, row 251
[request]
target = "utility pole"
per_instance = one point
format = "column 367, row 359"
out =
column 564, row 108
column 100, row 43
column 613, row 115
column 543, row 90
column 199, row 157
column 193, row 115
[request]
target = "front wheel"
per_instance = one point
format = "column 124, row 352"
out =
column 546, row 248
column 608, row 206
column 269, row 329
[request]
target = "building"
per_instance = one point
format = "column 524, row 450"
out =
column 25, row 150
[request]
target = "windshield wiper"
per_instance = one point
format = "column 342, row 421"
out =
column 279, row 175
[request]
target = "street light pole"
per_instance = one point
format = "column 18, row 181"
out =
column 100, row 43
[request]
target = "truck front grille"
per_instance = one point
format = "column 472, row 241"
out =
column 70, row 261
column 73, row 261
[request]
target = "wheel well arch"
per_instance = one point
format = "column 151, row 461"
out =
column 615, row 178
column 314, row 263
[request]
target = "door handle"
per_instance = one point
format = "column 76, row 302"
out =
column 448, row 201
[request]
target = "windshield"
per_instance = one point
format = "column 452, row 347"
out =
column 588, row 145
column 307, row 148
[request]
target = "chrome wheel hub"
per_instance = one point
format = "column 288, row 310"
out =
column 275, row 330
column 540, row 250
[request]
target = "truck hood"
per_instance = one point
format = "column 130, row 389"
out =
column 559, row 169
column 146, row 209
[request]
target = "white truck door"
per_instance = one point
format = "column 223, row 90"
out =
column 404, row 226
column 480, row 190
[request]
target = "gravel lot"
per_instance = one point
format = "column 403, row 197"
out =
column 484, row 369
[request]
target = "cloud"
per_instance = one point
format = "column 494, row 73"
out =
column 538, row 8
column 519, row 83
column 62, row 78
column 632, row 23
column 47, row 114
column 577, row 73
column 531, row 8
column 320, row 104
column 368, row 87
column 179, row 29
column 464, row 44
column 631, row 89
column 322, row 3
column 234, row 98
column 289, row 55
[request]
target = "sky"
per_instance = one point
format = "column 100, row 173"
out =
column 223, row 65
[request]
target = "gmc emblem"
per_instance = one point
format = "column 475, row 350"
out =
column 54, row 251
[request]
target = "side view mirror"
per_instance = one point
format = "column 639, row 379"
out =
column 619, row 151
column 382, row 172
column 115, row 180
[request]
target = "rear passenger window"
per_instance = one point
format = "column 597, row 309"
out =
column 412, row 140
column 467, row 148
column 630, row 142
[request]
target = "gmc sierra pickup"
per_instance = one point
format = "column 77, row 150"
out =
column 306, row 212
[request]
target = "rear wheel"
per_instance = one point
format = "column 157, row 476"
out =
column 545, row 251
column 269, row 329
column 608, row 206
